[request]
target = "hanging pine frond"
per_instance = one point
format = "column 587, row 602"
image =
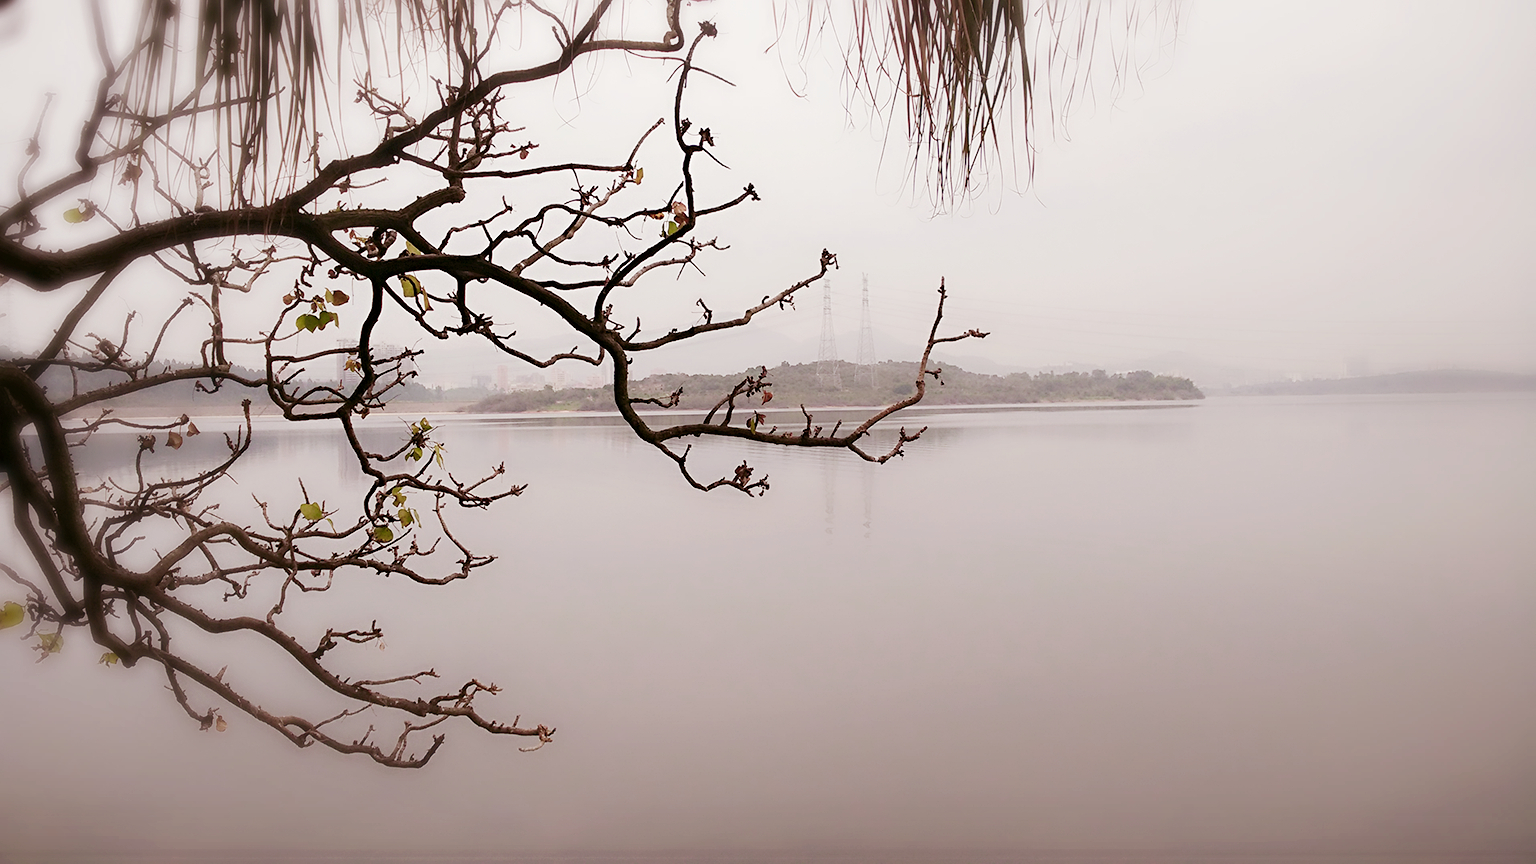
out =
column 963, row 74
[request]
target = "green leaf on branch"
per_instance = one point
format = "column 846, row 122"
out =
column 671, row 228
column 78, row 214
column 410, row 286
column 11, row 614
column 307, row 322
column 110, row 659
column 414, row 455
column 406, row 517
column 311, row 511
column 639, row 175
column 50, row 642
column 399, row 495
column 383, row 534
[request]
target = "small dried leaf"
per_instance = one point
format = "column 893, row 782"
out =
column 193, row 430
column 173, row 440
column 220, row 725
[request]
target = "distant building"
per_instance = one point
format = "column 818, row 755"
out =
column 342, row 373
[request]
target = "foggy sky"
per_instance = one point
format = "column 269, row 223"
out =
column 1287, row 190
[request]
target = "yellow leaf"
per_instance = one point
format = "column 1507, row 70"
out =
column 220, row 725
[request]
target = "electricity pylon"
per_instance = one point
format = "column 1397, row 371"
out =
column 827, row 373
column 865, row 372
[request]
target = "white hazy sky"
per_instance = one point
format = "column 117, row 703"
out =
column 1290, row 189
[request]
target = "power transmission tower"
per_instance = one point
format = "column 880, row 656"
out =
column 865, row 372
column 827, row 374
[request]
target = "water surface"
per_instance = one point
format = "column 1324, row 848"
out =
column 1266, row 627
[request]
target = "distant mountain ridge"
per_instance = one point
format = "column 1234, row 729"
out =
column 1430, row 381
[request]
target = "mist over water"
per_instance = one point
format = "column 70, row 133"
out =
column 1249, row 629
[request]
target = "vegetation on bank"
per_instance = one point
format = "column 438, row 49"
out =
column 799, row 384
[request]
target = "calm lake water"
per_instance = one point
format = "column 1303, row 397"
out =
column 1266, row 629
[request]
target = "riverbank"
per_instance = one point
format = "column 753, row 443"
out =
column 848, row 385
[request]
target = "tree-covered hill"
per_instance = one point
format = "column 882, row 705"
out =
column 798, row 384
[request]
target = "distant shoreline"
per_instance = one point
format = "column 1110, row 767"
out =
column 1426, row 382
column 847, row 385
column 963, row 391
column 464, row 409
